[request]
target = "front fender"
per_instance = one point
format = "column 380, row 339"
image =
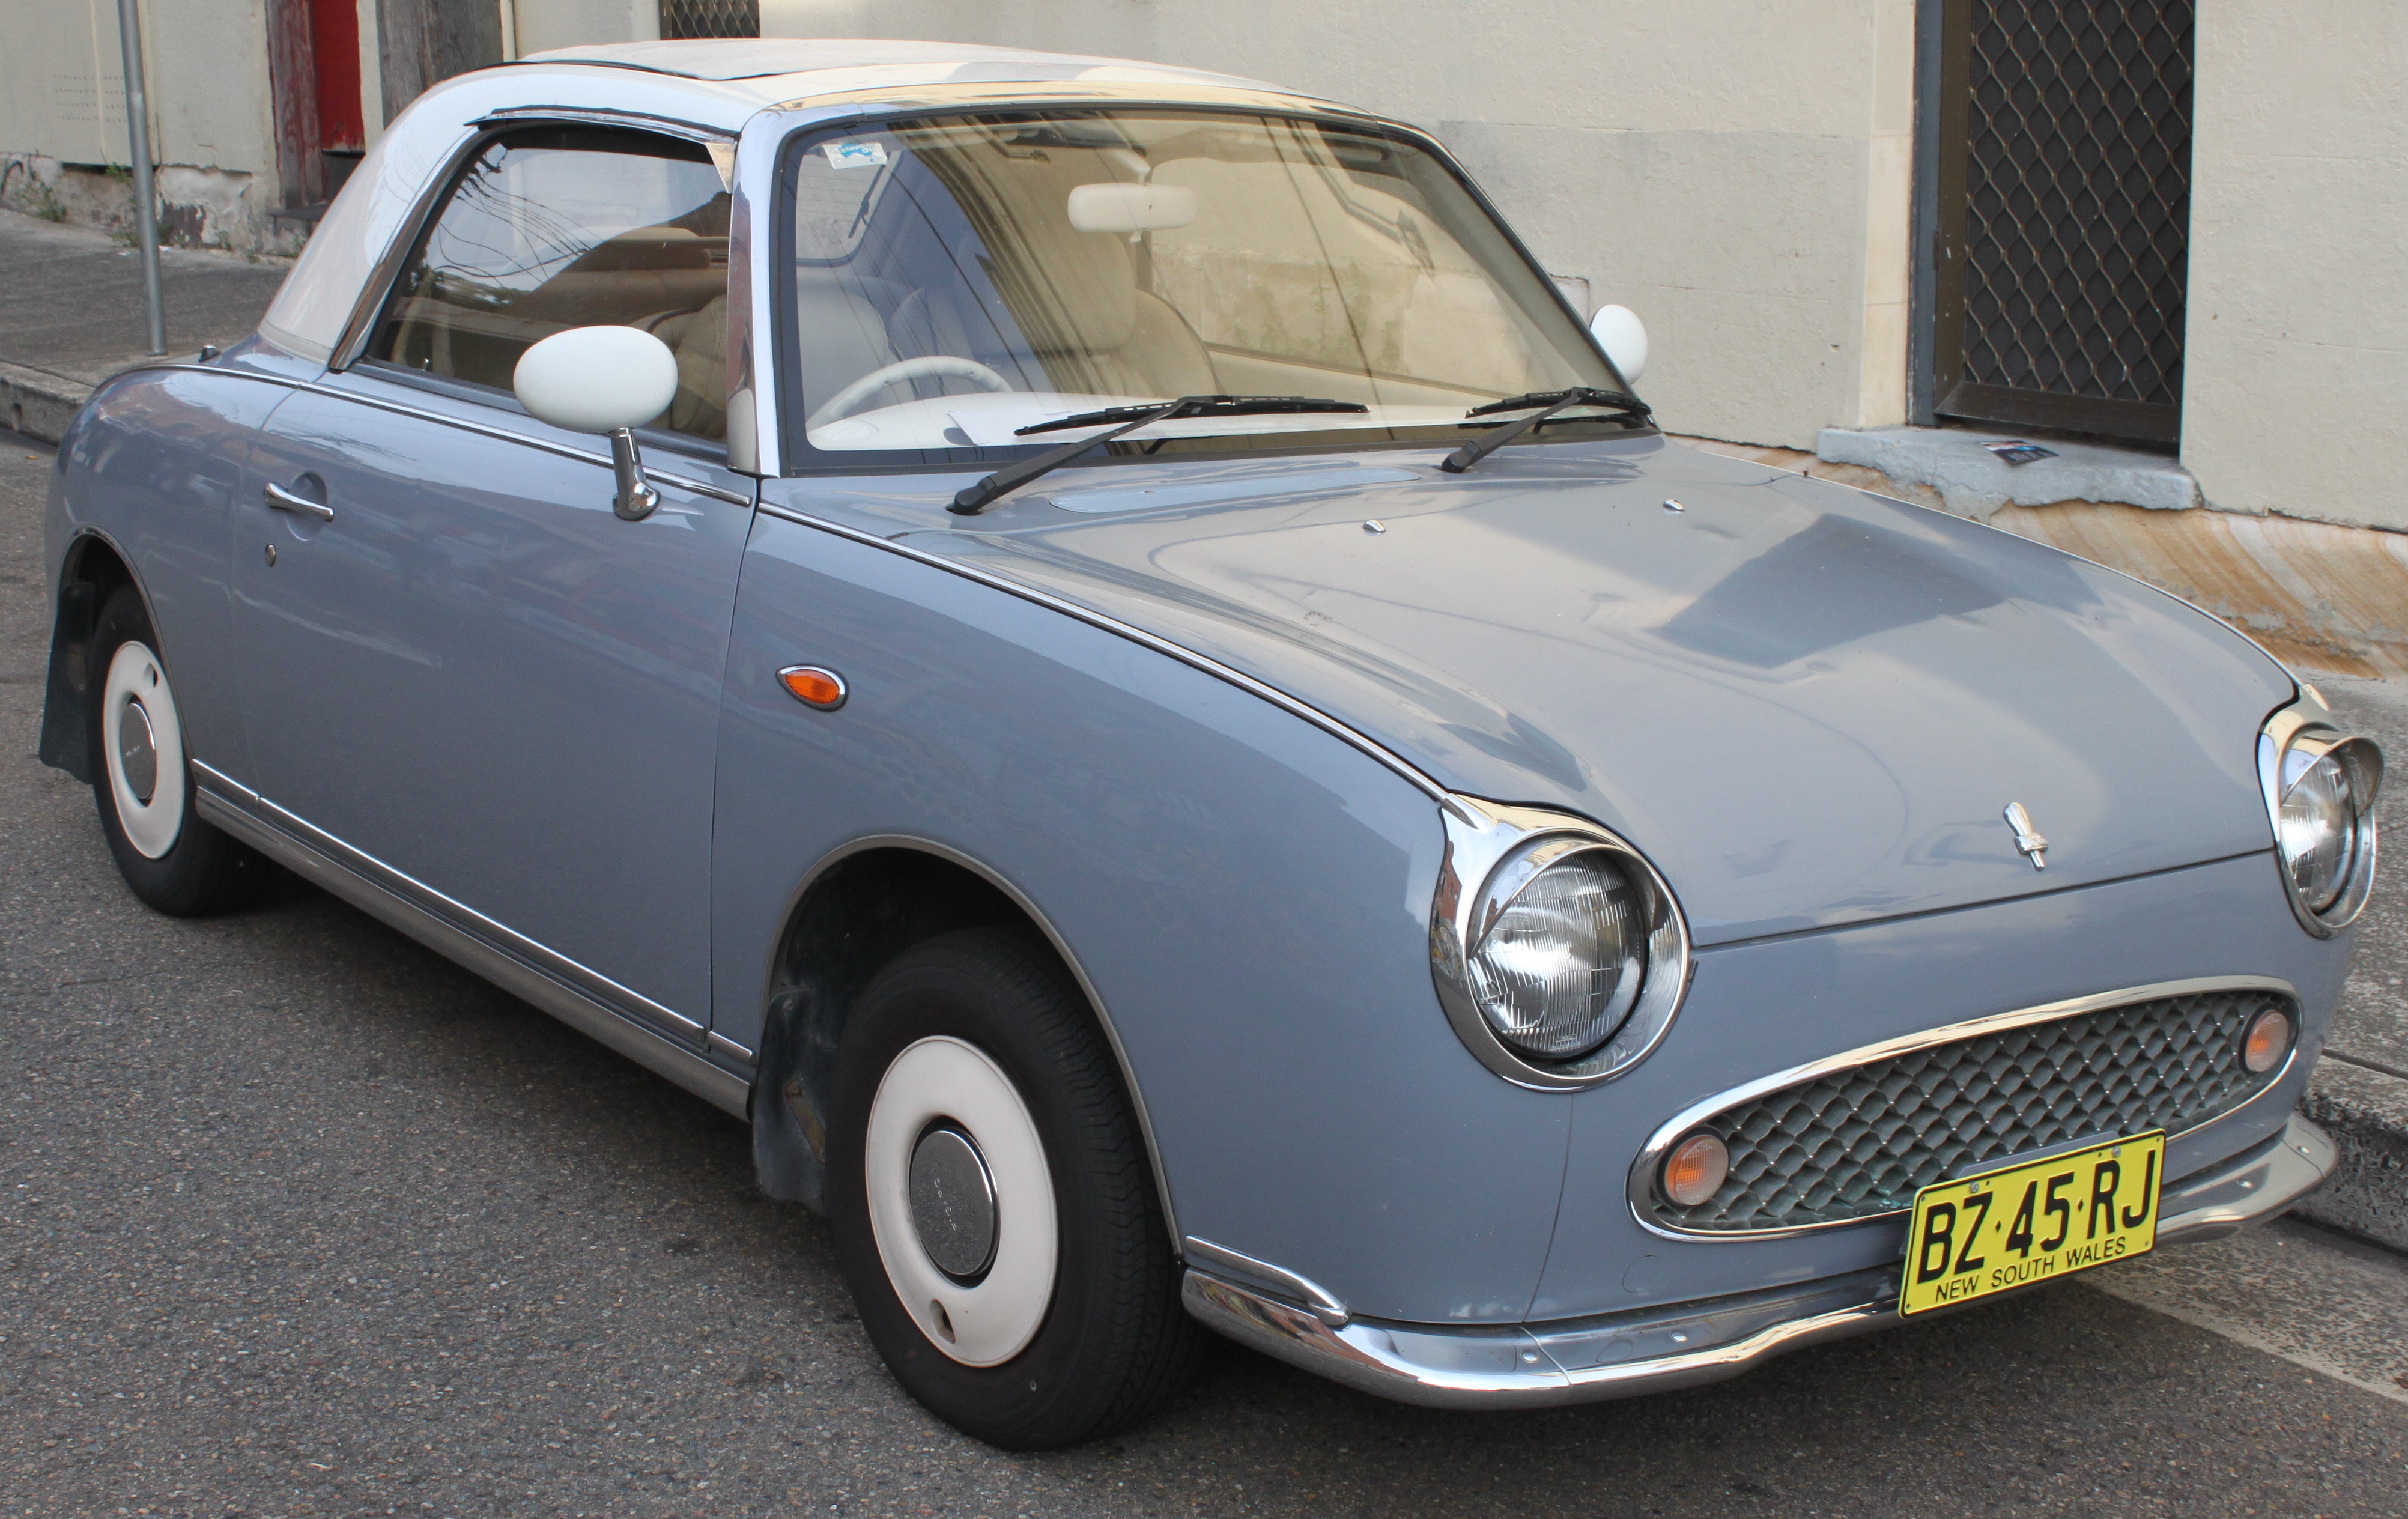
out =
column 1247, row 894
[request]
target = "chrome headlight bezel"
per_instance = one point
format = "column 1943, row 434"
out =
column 1493, row 851
column 2301, row 730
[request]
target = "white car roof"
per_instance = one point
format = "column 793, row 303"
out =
column 784, row 70
column 717, row 85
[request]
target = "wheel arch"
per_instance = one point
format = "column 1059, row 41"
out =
column 92, row 570
column 861, row 904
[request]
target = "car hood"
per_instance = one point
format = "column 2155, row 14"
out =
column 1807, row 703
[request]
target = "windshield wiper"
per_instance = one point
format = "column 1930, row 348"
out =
column 1550, row 402
column 976, row 498
column 1206, row 406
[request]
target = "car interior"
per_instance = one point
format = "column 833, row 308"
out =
column 1065, row 259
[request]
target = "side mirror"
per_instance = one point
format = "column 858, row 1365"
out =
column 1618, row 331
column 602, row 380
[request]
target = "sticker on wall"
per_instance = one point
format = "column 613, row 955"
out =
column 854, row 154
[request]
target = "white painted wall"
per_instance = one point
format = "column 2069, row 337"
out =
column 63, row 98
column 2296, row 365
column 63, row 82
column 542, row 25
column 1738, row 171
column 63, row 85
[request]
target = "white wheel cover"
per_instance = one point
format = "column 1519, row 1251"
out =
column 135, row 675
column 946, row 1079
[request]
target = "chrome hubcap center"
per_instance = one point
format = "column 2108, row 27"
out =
column 953, row 1202
column 137, row 752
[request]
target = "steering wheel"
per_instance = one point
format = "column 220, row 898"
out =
column 844, row 401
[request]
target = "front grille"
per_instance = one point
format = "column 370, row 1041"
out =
column 1860, row 1142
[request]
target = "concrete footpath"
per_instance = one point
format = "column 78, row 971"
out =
column 71, row 315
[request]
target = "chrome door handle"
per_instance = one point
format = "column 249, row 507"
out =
column 284, row 500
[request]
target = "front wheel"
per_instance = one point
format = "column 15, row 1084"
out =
column 993, row 1209
column 143, row 783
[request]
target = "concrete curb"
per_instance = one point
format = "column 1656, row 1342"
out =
column 2365, row 1111
column 39, row 405
column 1975, row 483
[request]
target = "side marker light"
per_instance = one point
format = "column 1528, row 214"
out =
column 822, row 690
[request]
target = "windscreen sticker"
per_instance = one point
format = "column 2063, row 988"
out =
column 858, row 153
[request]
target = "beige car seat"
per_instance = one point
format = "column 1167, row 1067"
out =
column 1074, row 295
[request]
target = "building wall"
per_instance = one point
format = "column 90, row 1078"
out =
column 1736, row 171
column 538, row 25
column 2297, row 362
column 63, row 114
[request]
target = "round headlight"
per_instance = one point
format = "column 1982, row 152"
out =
column 1561, row 964
column 2320, row 827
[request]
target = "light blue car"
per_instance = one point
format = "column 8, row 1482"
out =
column 1096, row 651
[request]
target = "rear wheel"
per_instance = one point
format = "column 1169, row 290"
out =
column 142, row 780
column 993, row 1209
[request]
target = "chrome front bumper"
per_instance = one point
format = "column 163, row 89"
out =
column 1656, row 1349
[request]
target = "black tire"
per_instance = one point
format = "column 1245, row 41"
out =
column 1114, row 1344
column 201, row 870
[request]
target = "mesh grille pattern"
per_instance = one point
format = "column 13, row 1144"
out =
column 2078, row 186
column 1861, row 1141
column 681, row 18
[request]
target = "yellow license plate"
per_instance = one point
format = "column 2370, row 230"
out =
column 2009, row 1229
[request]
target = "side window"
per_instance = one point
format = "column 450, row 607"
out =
column 557, row 227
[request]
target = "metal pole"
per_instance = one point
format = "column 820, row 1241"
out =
column 137, row 137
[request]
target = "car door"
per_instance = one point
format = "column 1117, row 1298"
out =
column 463, row 672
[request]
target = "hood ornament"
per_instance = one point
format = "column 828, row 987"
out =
column 2028, row 837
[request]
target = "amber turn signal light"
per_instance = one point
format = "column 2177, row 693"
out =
column 813, row 686
column 1695, row 1169
column 2267, row 1042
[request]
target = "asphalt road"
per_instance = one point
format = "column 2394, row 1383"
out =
column 296, row 1218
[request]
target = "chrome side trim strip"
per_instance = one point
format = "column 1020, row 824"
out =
column 233, row 793
column 1681, row 1345
column 1642, row 1170
column 573, row 1006
column 400, row 883
column 1368, row 746
column 601, row 460
column 551, row 963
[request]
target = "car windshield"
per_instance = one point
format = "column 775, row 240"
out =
column 959, row 280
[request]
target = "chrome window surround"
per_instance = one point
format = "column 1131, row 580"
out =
column 1651, row 1155
column 2300, row 727
column 351, row 345
column 1493, row 851
column 753, row 406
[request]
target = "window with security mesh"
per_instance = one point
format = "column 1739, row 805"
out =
column 2069, row 219
column 710, row 18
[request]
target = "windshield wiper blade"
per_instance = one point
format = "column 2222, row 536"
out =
column 976, row 498
column 1204, row 406
column 1550, row 402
